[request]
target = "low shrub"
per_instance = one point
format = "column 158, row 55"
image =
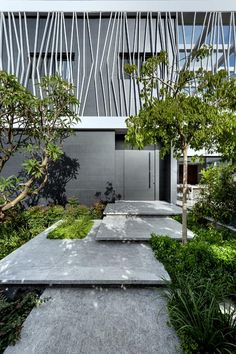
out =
column 40, row 217
column 218, row 195
column 75, row 211
column 203, row 273
column 22, row 225
column 166, row 250
column 97, row 210
column 12, row 316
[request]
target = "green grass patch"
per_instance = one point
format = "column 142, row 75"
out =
column 72, row 228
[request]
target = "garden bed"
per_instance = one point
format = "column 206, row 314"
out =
column 203, row 275
column 221, row 225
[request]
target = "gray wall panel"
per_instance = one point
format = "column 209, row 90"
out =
column 95, row 153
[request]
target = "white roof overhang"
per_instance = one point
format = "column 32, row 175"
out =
column 120, row 5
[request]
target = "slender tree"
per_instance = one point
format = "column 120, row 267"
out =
column 180, row 113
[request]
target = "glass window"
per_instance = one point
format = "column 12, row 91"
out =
column 51, row 64
column 232, row 59
column 190, row 34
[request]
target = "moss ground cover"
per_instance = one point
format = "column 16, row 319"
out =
column 203, row 275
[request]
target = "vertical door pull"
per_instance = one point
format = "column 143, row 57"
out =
column 149, row 170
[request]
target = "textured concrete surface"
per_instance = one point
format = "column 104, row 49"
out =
column 87, row 261
column 142, row 208
column 105, row 321
column 120, row 227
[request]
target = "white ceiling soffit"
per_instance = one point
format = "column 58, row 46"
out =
column 120, row 5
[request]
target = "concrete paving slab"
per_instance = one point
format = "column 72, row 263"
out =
column 105, row 321
column 87, row 261
column 142, row 208
column 135, row 228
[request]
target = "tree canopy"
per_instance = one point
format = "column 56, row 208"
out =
column 35, row 125
column 192, row 109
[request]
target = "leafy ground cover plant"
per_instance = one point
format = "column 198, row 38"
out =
column 22, row 225
column 203, row 274
column 72, row 228
column 13, row 314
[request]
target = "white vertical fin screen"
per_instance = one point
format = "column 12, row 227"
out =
column 90, row 50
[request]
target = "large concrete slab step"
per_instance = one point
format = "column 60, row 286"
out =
column 82, row 262
column 136, row 228
column 99, row 321
column 142, row 208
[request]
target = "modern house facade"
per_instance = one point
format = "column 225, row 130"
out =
column 88, row 43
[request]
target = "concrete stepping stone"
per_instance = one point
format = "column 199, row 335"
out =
column 120, row 227
column 142, row 208
column 82, row 262
column 98, row 321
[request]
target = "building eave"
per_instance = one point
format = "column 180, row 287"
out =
column 121, row 5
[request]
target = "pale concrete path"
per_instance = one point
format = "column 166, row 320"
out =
column 142, row 208
column 136, row 228
column 105, row 321
column 82, row 262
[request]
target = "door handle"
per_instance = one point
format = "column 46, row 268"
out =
column 149, row 170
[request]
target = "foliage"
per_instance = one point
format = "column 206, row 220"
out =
column 203, row 274
column 40, row 217
column 191, row 110
column 97, row 210
column 222, row 93
column 13, row 315
column 72, row 228
column 21, row 225
column 188, row 110
column 218, row 195
column 16, row 109
column 210, row 253
column 195, row 313
column 51, row 117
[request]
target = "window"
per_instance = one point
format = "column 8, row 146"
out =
column 190, row 34
column 51, row 64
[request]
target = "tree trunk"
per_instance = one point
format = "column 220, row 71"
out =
column 26, row 191
column 185, row 192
